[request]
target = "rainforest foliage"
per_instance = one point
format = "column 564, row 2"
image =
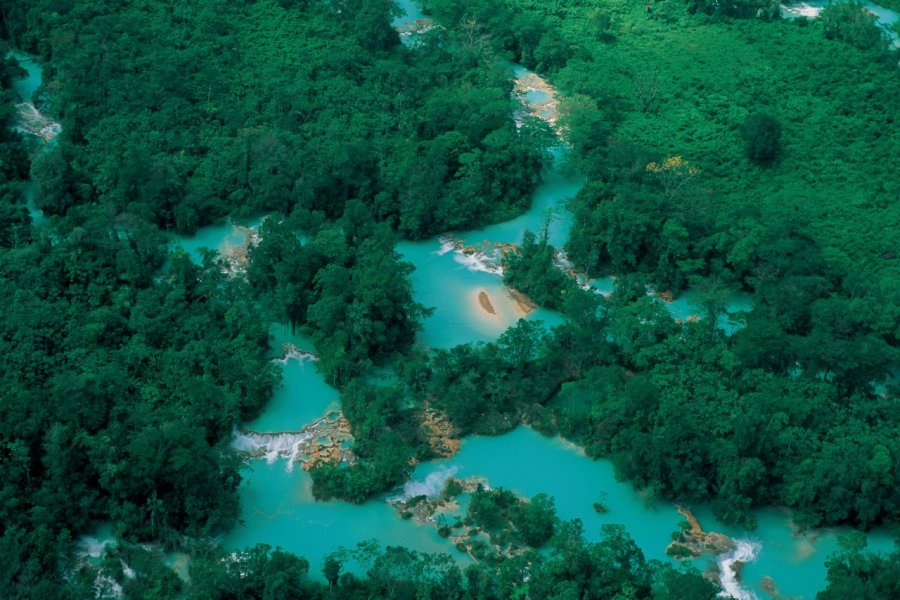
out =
column 126, row 368
column 268, row 106
column 570, row 568
column 725, row 150
column 767, row 172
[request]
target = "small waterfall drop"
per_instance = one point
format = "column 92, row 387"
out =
column 34, row 122
column 744, row 551
column 272, row 446
column 430, row 487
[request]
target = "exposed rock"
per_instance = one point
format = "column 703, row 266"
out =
column 695, row 542
column 471, row 539
column 327, row 441
column 290, row 351
column 34, row 122
column 237, row 256
column 442, row 436
column 418, row 26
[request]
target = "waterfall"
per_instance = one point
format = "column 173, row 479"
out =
column 89, row 546
column 478, row 261
column 744, row 551
column 431, row 487
column 292, row 352
column 272, row 446
column 448, row 244
column 36, row 123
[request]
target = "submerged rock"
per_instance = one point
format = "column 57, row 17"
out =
column 485, row 301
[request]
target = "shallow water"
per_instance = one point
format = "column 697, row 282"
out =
column 687, row 306
column 302, row 398
column 277, row 508
column 26, row 87
column 530, row 463
column 411, row 13
column 219, row 237
column 549, row 200
column 450, row 283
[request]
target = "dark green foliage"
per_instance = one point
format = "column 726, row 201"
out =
column 744, row 9
column 527, row 38
column 855, row 573
column 852, row 23
column 15, row 222
column 258, row 573
column 386, row 437
column 122, row 379
column 762, row 138
column 346, row 286
column 121, row 388
column 261, row 106
column 531, row 270
column 510, row 520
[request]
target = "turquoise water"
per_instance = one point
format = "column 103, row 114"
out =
column 795, row 562
column 217, row 237
column 278, row 509
column 411, row 13
column 37, row 216
column 688, row 305
column 529, row 463
column 303, row 398
column 550, row 199
column 26, row 87
column 537, row 97
column 450, row 283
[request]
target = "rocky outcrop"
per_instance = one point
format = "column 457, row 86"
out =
column 441, row 434
column 327, row 441
column 237, row 256
column 694, row 542
column 33, row 122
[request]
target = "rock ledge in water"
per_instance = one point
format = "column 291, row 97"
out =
column 694, row 542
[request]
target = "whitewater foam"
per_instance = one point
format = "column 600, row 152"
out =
column 272, row 446
column 292, row 352
column 744, row 551
column 92, row 547
column 430, row 487
column 448, row 244
column 34, row 122
column 478, row 262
